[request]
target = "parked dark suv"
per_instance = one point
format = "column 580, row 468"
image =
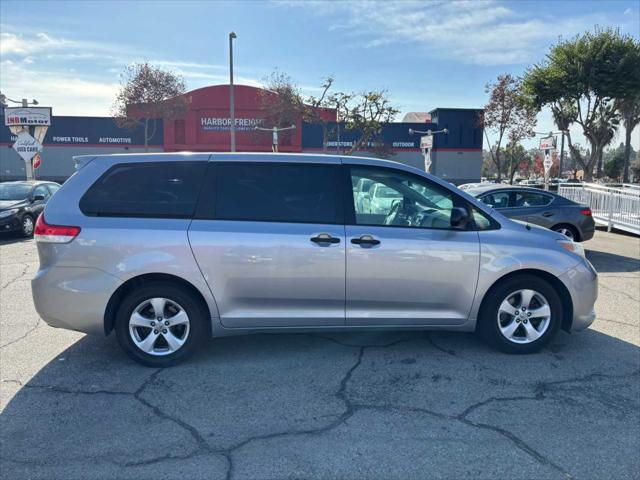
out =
column 21, row 203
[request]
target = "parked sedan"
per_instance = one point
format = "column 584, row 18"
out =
column 21, row 203
column 542, row 208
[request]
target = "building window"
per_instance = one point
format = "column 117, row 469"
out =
column 178, row 126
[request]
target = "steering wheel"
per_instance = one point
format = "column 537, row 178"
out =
column 393, row 213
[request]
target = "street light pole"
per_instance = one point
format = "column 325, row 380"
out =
column 429, row 144
column 232, row 110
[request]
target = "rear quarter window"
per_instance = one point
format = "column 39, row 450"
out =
column 149, row 189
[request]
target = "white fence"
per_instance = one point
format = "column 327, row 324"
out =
column 615, row 207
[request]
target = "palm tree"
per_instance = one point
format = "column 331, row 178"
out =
column 630, row 113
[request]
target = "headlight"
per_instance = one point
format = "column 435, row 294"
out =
column 8, row 213
column 572, row 247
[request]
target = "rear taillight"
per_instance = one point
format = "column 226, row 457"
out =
column 586, row 211
column 54, row 233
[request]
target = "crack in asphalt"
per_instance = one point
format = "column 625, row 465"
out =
column 541, row 391
column 18, row 277
column 625, row 294
column 430, row 339
column 23, row 336
column 604, row 319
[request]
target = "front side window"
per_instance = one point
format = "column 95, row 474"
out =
column 532, row 199
column 277, row 192
column 496, row 200
column 149, row 189
column 41, row 190
column 396, row 198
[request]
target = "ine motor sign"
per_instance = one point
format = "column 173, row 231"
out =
column 31, row 116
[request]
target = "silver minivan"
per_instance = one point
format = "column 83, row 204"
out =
column 168, row 250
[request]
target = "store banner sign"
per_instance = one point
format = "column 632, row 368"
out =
column 223, row 124
column 31, row 116
column 85, row 131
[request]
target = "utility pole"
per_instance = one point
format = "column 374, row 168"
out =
column 232, row 110
column 274, row 131
column 561, row 155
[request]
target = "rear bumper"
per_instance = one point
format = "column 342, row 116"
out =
column 582, row 282
column 74, row 298
column 587, row 230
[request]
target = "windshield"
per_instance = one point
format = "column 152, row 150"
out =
column 14, row 192
column 385, row 192
column 475, row 192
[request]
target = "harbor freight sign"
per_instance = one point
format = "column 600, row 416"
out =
column 27, row 116
column 27, row 146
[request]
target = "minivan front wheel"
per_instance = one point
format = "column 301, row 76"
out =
column 521, row 314
column 160, row 324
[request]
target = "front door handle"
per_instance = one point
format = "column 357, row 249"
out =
column 365, row 240
column 547, row 214
column 324, row 238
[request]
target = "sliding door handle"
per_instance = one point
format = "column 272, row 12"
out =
column 365, row 240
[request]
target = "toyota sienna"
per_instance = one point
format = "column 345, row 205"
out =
column 168, row 250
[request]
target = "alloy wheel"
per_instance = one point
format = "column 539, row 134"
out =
column 524, row 316
column 159, row 326
column 27, row 226
column 567, row 232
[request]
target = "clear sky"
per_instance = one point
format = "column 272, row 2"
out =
column 427, row 54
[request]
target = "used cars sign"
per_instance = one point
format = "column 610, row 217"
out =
column 27, row 146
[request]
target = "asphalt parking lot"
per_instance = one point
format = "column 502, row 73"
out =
column 380, row 405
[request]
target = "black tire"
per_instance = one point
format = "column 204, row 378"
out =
column 199, row 327
column 27, row 233
column 488, row 319
column 575, row 235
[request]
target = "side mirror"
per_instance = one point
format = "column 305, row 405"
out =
column 459, row 217
column 37, row 198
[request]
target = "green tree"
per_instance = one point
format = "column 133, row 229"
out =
column 630, row 113
column 282, row 102
column 614, row 164
column 146, row 94
column 519, row 159
column 507, row 115
column 584, row 80
column 316, row 109
column 614, row 160
column 367, row 112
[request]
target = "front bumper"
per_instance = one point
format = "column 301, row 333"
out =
column 582, row 282
column 9, row 224
column 74, row 298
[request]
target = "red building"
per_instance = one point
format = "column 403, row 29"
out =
column 206, row 124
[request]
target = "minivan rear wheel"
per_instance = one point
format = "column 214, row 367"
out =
column 160, row 324
column 520, row 315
